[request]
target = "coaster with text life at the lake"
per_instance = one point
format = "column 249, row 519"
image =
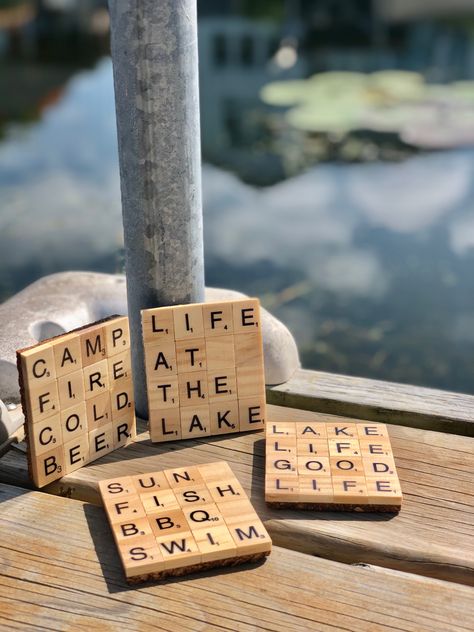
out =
column 204, row 369
column 178, row 521
column 331, row 466
column 77, row 398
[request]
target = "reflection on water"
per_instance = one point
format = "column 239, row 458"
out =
column 369, row 265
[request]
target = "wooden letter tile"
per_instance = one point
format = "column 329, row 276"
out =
column 204, row 360
column 330, row 466
column 182, row 520
column 66, row 384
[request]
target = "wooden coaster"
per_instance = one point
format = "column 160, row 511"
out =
column 204, row 369
column 179, row 521
column 77, row 397
column 327, row 466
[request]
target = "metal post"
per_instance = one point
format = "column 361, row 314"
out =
column 155, row 60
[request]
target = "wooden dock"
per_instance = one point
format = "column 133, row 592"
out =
column 412, row 571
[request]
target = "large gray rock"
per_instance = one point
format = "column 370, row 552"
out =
column 64, row 301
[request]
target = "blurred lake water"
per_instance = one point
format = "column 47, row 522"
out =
column 370, row 265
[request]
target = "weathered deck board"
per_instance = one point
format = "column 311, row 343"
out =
column 60, row 571
column 374, row 400
column 431, row 536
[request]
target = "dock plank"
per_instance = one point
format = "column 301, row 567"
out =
column 374, row 400
column 431, row 536
column 60, row 571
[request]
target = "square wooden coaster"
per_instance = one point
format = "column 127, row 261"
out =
column 204, row 369
column 77, row 398
column 178, row 521
column 332, row 467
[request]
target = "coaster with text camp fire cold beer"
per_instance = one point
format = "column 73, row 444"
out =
column 179, row 521
column 204, row 369
column 330, row 466
column 77, row 397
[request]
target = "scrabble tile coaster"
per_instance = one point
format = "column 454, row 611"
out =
column 175, row 522
column 333, row 467
column 204, row 369
column 77, row 397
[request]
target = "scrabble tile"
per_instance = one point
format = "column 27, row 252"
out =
column 160, row 359
column 218, row 319
column 252, row 413
column 279, row 429
column 350, row 490
column 315, row 490
column 71, row 389
column 165, row 425
column 131, row 530
column 246, row 314
column 159, row 500
column 344, row 447
column 220, row 353
column 248, row 350
column 341, row 432
column 142, row 559
column 178, row 551
column 119, row 368
column 38, row 365
column 191, row 355
column 70, row 384
column 193, row 388
column 67, row 354
column 372, row 431
column 124, row 430
column 73, row 422
column 93, row 345
column 250, row 537
column 384, row 491
column 146, row 483
column 224, row 416
column 311, row 431
column 188, row 322
column 195, row 422
column 114, row 488
column 117, row 336
column 47, row 467
column 249, row 379
column 96, row 379
column 204, row 360
column 163, row 393
column 76, row 453
column 122, row 509
column 328, row 466
column 46, row 435
column 281, row 488
column 177, row 521
column 98, row 411
column 221, row 385
column 215, row 543
column 101, row 441
column 346, row 466
column 158, row 324
column 42, row 401
column 122, row 400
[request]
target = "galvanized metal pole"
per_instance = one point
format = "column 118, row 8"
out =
column 155, row 60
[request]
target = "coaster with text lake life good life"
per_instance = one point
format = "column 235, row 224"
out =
column 332, row 467
column 77, row 398
column 179, row 521
column 204, row 369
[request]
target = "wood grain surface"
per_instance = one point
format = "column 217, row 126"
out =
column 375, row 400
column 60, row 571
column 431, row 536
